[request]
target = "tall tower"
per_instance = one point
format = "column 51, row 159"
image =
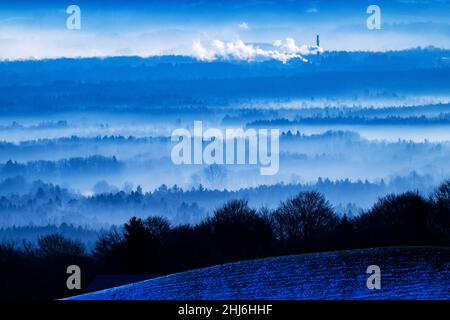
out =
column 317, row 41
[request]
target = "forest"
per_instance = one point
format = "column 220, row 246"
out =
column 24, row 203
column 86, row 175
column 235, row 231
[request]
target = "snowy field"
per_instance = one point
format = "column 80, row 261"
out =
column 406, row 273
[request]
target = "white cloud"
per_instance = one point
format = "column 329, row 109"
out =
column 289, row 45
column 201, row 52
column 244, row 26
column 238, row 50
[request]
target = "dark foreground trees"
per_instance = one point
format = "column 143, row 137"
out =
column 439, row 220
column 236, row 232
column 396, row 220
column 406, row 219
column 39, row 272
column 304, row 222
column 233, row 232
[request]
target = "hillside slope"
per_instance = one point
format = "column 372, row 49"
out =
column 406, row 273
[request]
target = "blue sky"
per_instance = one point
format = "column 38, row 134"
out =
column 32, row 29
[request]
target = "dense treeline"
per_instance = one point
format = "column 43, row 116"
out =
column 99, row 84
column 304, row 223
column 32, row 233
column 441, row 119
column 251, row 115
column 40, row 203
column 72, row 166
column 67, row 71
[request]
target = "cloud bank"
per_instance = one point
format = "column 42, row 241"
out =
column 282, row 50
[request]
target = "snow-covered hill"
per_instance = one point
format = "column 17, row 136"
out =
column 406, row 273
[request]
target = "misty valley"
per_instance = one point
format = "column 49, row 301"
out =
column 89, row 152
